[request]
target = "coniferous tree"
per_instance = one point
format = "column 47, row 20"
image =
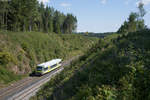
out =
column 69, row 24
column 50, row 20
column 56, row 23
column 30, row 15
column 4, row 10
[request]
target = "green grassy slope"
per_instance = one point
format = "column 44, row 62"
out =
column 117, row 68
column 20, row 52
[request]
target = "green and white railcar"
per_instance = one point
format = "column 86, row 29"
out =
column 48, row 66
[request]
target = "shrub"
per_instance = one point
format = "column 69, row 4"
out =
column 6, row 57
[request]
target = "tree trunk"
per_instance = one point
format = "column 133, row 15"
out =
column 6, row 21
column 3, row 20
column 30, row 26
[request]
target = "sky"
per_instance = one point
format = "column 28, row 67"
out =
column 99, row 15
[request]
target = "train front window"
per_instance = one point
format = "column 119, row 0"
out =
column 39, row 68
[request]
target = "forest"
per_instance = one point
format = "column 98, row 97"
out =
column 30, row 15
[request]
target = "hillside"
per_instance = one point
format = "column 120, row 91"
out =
column 116, row 68
column 20, row 52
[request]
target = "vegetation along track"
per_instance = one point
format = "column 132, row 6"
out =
column 24, row 89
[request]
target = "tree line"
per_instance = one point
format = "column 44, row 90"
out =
column 135, row 21
column 30, row 15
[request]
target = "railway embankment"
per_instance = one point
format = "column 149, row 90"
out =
column 20, row 52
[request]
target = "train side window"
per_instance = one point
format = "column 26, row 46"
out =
column 45, row 68
column 53, row 66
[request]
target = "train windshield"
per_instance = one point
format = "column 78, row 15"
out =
column 39, row 68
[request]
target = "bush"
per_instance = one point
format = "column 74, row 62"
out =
column 6, row 57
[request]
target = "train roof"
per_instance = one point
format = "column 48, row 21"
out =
column 50, row 63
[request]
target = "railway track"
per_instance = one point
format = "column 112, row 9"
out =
column 11, row 88
column 26, row 94
column 24, row 89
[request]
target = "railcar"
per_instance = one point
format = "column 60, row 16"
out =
column 47, row 67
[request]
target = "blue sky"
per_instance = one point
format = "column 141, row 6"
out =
column 99, row 15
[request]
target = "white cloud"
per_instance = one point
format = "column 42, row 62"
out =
column 65, row 4
column 145, row 2
column 103, row 1
column 148, row 12
column 44, row 1
column 127, row 2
